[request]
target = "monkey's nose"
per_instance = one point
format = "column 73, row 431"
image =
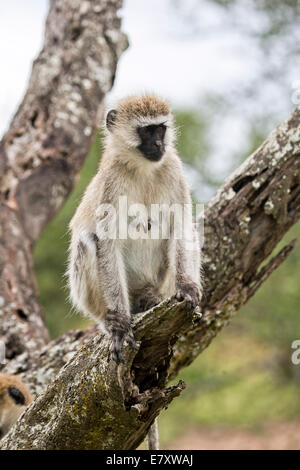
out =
column 158, row 143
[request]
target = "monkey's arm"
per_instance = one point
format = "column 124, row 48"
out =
column 187, row 257
column 188, row 285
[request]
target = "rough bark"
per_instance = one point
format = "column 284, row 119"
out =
column 84, row 401
column 91, row 403
column 244, row 222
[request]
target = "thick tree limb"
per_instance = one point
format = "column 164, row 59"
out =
column 243, row 224
column 84, row 401
column 92, row 404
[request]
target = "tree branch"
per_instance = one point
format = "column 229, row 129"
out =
column 244, row 222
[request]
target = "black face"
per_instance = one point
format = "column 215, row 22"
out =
column 152, row 141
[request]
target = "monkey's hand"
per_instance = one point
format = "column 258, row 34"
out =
column 118, row 325
column 190, row 291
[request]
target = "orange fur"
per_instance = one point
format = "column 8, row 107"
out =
column 9, row 410
column 7, row 380
column 145, row 105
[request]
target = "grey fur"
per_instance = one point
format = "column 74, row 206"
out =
column 110, row 279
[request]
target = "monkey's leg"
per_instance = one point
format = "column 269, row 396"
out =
column 145, row 299
column 97, row 290
column 85, row 290
column 153, row 436
column 112, row 277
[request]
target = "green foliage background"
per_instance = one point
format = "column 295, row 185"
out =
column 246, row 376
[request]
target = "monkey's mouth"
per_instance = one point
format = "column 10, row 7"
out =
column 153, row 154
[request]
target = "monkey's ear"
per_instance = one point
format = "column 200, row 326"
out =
column 111, row 118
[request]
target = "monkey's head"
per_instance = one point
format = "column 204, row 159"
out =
column 142, row 125
column 14, row 397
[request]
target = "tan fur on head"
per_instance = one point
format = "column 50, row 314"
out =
column 10, row 410
column 144, row 105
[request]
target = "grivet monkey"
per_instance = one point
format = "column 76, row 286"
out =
column 112, row 277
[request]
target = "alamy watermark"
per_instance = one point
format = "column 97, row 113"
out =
column 295, row 358
column 156, row 221
column 295, row 98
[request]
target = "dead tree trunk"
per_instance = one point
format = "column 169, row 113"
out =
column 83, row 400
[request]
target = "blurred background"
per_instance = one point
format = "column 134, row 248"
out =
column 231, row 72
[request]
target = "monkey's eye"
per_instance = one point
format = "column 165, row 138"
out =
column 144, row 132
column 160, row 131
column 16, row 395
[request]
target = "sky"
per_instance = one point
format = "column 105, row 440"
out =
column 161, row 58
column 165, row 56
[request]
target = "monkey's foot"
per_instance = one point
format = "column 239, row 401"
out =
column 145, row 302
column 190, row 292
column 118, row 325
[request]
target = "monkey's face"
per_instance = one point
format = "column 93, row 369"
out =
column 14, row 397
column 152, row 144
column 141, row 128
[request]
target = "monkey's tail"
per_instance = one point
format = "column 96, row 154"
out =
column 153, row 437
